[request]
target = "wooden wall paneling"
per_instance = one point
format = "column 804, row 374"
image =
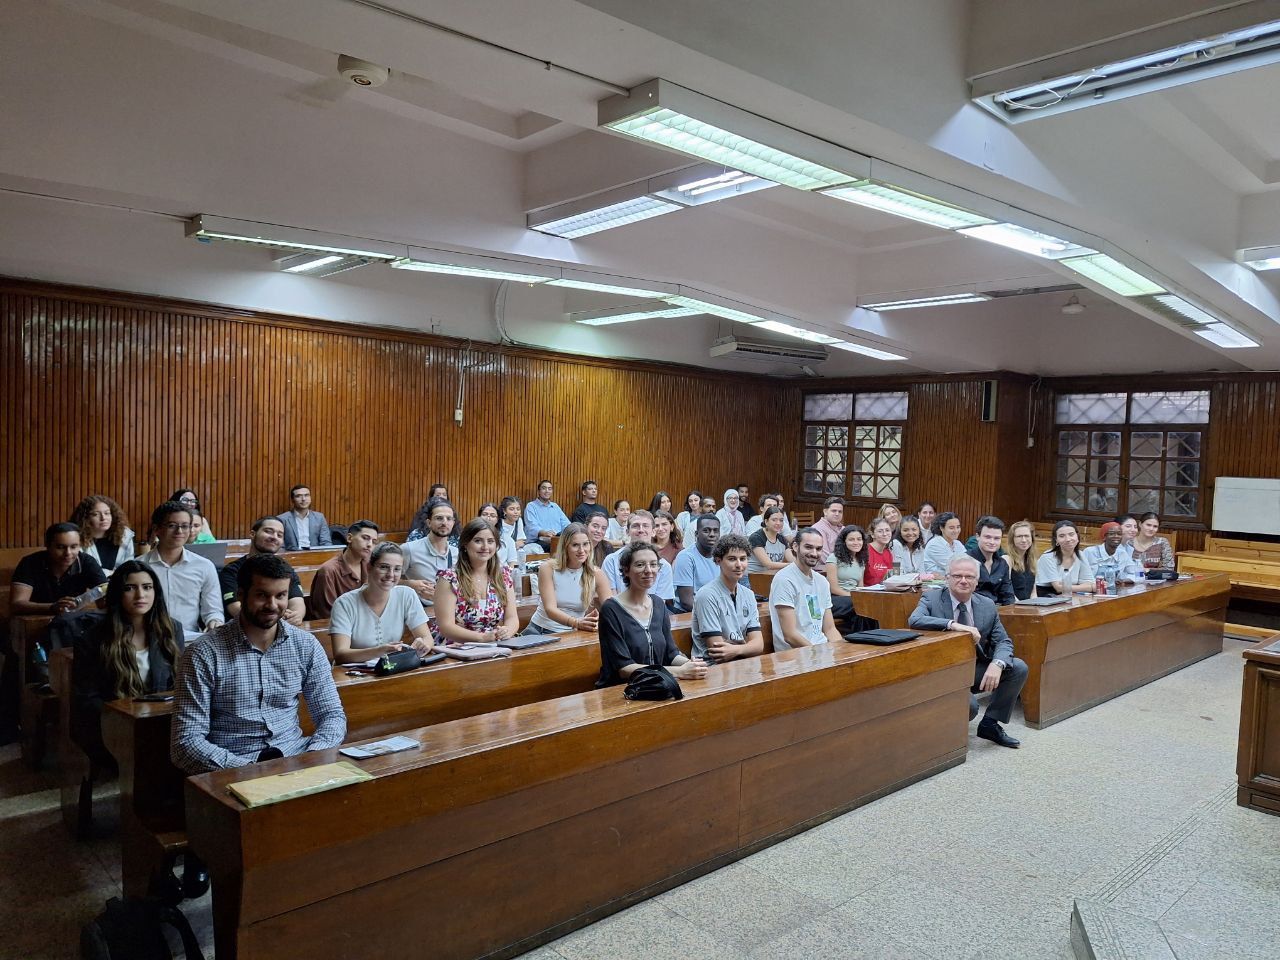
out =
column 1016, row 494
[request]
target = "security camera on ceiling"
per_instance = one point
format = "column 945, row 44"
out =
column 361, row 72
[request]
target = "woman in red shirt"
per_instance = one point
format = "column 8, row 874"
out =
column 879, row 555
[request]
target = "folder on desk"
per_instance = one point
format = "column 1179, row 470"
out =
column 297, row 783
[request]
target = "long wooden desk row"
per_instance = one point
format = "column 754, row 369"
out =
column 1258, row 755
column 507, row 829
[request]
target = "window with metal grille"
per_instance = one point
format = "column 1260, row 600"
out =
column 853, row 445
column 1130, row 452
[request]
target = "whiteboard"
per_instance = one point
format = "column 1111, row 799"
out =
column 1246, row 505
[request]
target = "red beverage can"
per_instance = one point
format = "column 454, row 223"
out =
column 1100, row 586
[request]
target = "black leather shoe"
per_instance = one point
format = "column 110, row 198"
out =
column 995, row 733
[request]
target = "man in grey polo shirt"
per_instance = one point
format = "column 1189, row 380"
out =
column 425, row 558
column 726, row 620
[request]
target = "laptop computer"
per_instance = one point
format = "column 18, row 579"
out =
column 1043, row 601
column 532, row 640
column 215, row 553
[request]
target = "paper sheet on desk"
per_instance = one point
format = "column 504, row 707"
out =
column 379, row 747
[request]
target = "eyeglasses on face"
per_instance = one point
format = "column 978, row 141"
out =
column 178, row 527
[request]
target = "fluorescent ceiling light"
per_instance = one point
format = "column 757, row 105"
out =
column 313, row 263
column 1188, row 310
column 606, row 217
column 320, row 264
column 717, row 309
column 277, row 237
column 905, row 203
column 914, row 303
column 663, row 113
column 866, row 351
column 604, row 318
column 469, row 265
column 800, row 333
column 1225, row 336
column 1260, row 258
column 1025, row 240
column 602, row 283
column 1112, row 274
column 1267, row 263
column 1160, row 69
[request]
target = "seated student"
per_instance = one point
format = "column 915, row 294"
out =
column 589, row 491
column 640, row 527
column 198, row 532
column 189, row 581
column 731, row 518
column 928, row 516
column 50, row 580
column 347, row 571
column 908, row 546
column 426, row 558
column 944, row 545
column 994, row 579
column 829, row 527
column 1022, row 564
column 1111, row 558
column 661, row 501
column 879, row 553
column 692, row 509
column 418, row 526
column 769, row 548
column 476, row 601
column 695, row 565
column 508, row 554
column 635, row 626
column 1150, row 550
column 666, row 536
column 130, row 651
column 1061, row 570
column 372, row 620
column 543, row 518
column 756, row 520
column 845, row 568
column 571, row 587
column 726, row 620
column 800, row 598
column 238, row 687
column 789, row 525
column 616, row 532
column 104, row 531
column 1128, row 529
column 187, row 497
column 596, row 528
column 268, row 537
column 509, row 509
column 304, row 528
column 891, row 513
column 744, row 502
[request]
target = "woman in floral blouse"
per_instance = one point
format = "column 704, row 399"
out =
column 476, row 601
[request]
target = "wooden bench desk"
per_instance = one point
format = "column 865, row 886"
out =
column 1253, row 568
column 1093, row 649
column 1258, row 754
column 615, row 800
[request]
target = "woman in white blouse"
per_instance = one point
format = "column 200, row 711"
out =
column 908, row 546
column 371, row 620
column 731, row 518
column 1061, row 568
column 944, row 546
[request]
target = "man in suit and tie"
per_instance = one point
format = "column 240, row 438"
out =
column 304, row 528
column 958, row 606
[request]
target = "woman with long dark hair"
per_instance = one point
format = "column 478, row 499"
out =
column 1061, row 569
column 129, row 652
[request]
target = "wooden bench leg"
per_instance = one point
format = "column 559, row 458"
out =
column 39, row 713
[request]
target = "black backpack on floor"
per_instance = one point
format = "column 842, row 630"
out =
column 133, row 929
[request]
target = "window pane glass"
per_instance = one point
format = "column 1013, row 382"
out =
column 1142, row 500
column 891, row 437
column 1144, row 472
column 1183, row 473
column 837, row 460
column 888, row 462
column 1180, row 503
column 887, row 488
column 812, row 483
column 1104, row 499
column 835, row 485
column 1186, row 406
column 812, row 459
column 856, row 488
column 1073, row 443
column 1091, row 407
column 828, row 406
column 1070, row 496
column 1146, row 444
column 837, row 436
column 880, row 406
column 1104, row 471
column 1106, row 444
column 1183, row 444
column 1072, row 469
column 864, row 436
column 815, row 436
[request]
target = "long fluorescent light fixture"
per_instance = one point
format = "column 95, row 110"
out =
column 1260, row 258
column 812, row 336
column 866, row 351
column 721, row 308
column 1025, row 240
column 1184, row 308
column 320, row 264
column 915, row 303
column 705, row 183
column 470, row 265
column 1224, row 336
column 667, row 115
column 277, row 237
column 879, row 195
column 619, row 286
column 1160, row 69
column 606, row 217
column 1112, row 274
column 604, row 318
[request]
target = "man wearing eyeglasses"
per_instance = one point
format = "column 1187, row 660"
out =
column 958, row 606
column 189, row 581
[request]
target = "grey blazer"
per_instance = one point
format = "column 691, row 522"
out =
column 935, row 611
column 316, row 523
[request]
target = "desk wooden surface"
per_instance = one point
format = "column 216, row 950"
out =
column 1096, row 648
column 613, row 799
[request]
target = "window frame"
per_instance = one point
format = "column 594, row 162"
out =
column 851, row 426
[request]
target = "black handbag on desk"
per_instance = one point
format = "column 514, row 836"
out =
column 653, row 683
column 403, row 662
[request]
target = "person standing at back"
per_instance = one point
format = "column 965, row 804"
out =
column 304, row 528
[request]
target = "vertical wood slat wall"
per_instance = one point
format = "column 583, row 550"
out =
column 134, row 397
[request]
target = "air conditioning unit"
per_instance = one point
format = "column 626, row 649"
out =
column 736, row 346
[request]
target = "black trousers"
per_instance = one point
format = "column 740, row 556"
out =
column 1000, row 709
column 847, row 619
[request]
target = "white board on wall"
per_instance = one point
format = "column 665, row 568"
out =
column 1246, row 505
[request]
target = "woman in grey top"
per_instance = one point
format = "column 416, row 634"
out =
column 571, row 587
column 370, row 621
column 1061, row 570
column 945, row 545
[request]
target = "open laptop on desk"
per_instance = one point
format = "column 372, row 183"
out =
column 215, row 553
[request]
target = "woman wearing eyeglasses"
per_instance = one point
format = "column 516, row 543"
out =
column 188, row 499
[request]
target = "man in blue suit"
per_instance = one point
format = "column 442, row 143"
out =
column 304, row 528
column 958, row 606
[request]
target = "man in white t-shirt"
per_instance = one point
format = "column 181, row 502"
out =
column 800, row 598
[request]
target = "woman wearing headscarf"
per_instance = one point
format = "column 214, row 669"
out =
column 731, row 519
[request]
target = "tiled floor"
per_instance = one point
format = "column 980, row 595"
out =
column 1130, row 805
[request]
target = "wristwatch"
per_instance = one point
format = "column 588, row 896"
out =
column 1000, row 663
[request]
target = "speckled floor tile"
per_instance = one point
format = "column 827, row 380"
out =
column 647, row 931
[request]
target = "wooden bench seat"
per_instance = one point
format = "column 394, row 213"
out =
column 1251, row 578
